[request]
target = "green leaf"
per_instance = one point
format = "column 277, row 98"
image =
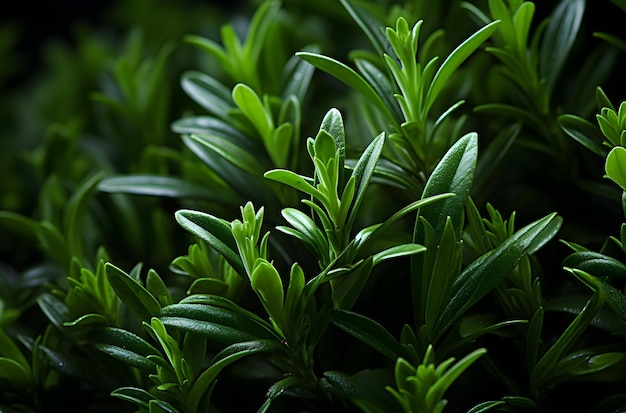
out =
column 214, row 231
column 545, row 368
column 56, row 311
column 492, row 156
column 250, row 104
column 620, row 3
column 584, row 132
column 597, row 264
column 558, row 39
column 546, row 235
column 134, row 395
column 279, row 388
column 238, row 156
column 13, row 222
column 615, row 166
column 383, row 87
column 366, row 390
column 223, row 359
column 158, row 288
column 349, row 77
column 66, row 363
column 124, row 346
column 279, row 144
column 208, row 286
column 266, row 282
column 238, row 181
column 297, row 76
column 363, row 172
column 54, row 244
column 87, row 320
column 446, row 264
column 306, row 230
column 154, row 185
column 263, row 17
column 333, row 124
column 454, row 174
column 160, row 406
column 448, row 378
column 216, row 332
column 231, row 129
column 293, row 297
column 228, row 318
column 132, row 293
column 368, row 331
column 75, row 215
column 614, row 41
column 594, row 363
column 9, row 349
column 370, row 26
column 486, row 406
column 533, row 338
column 368, row 233
column 615, row 299
column 14, row 372
column 477, row 325
column 522, row 20
column 454, row 60
column 292, row 179
column 513, row 112
column 484, row 273
column 208, row 93
column 397, row 251
column 348, row 283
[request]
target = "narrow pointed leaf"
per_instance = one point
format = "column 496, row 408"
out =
column 484, row 273
column 154, row 185
column 363, row 172
column 236, row 155
column 370, row 26
column 615, row 166
column 134, row 295
column 397, row 251
column 124, row 346
column 584, row 132
column 295, row 181
column 454, row 174
column 368, row 331
column 251, row 105
column 12, row 371
column 216, row 315
column 348, row 76
column 9, row 349
column 382, row 85
column 223, row 359
column 279, row 388
column 208, row 93
column 216, row 232
column 596, row 264
column 366, row 390
column 456, row 58
column 615, row 299
column 134, row 395
column 75, row 215
column 559, row 38
column 237, row 180
column 298, row 74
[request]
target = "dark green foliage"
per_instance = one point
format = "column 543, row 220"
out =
column 292, row 206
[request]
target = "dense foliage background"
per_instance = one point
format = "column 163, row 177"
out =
column 133, row 277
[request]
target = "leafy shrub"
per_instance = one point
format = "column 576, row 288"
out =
column 297, row 207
